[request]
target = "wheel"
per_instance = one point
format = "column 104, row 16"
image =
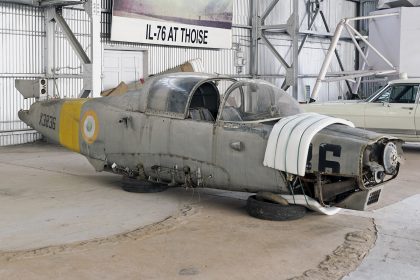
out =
column 263, row 209
column 137, row 186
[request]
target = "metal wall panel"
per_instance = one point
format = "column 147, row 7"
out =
column 315, row 48
column 334, row 11
column 18, row 137
column 21, row 53
column 22, row 35
column 369, row 85
column 66, row 60
column 366, row 7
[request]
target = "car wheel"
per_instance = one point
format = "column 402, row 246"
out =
column 263, row 209
column 138, row 186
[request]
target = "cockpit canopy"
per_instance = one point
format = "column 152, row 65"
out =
column 198, row 96
column 172, row 93
column 257, row 100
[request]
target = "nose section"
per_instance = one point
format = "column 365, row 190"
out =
column 381, row 159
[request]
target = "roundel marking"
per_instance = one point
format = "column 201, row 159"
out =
column 90, row 126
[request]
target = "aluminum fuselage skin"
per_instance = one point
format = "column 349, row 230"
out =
column 226, row 155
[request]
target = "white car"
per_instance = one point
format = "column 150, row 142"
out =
column 392, row 110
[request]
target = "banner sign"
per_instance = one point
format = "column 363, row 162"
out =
column 190, row 23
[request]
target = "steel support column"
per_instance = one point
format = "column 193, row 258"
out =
column 49, row 52
column 340, row 63
column 344, row 24
column 93, row 9
column 255, row 36
column 259, row 32
column 78, row 49
column 92, row 64
column 74, row 43
column 295, row 51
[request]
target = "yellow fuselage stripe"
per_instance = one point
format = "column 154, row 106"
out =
column 69, row 124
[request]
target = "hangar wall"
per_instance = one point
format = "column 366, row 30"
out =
column 315, row 48
column 21, row 40
column 22, row 34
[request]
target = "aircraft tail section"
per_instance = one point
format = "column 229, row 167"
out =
column 56, row 119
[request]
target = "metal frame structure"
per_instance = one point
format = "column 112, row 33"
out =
column 91, row 64
column 298, row 38
column 45, row 3
column 357, row 74
column 259, row 32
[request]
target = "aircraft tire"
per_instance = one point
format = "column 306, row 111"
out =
column 137, row 186
column 263, row 209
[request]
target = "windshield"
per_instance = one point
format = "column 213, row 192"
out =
column 257, row 101
column 170, row 93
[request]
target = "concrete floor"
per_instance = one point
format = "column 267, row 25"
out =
column 396, row 254
column 60, row 219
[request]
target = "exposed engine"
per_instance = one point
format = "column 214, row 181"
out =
column 380, row 160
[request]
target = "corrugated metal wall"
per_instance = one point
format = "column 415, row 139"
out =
column 369, row 85
column 313, row 53
column 66, row 61
column 21, row 41
column 22, row 34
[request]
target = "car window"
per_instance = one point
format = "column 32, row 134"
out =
column 373, row 96
column 384, row 96
column 398, row 94
column 403, row 94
